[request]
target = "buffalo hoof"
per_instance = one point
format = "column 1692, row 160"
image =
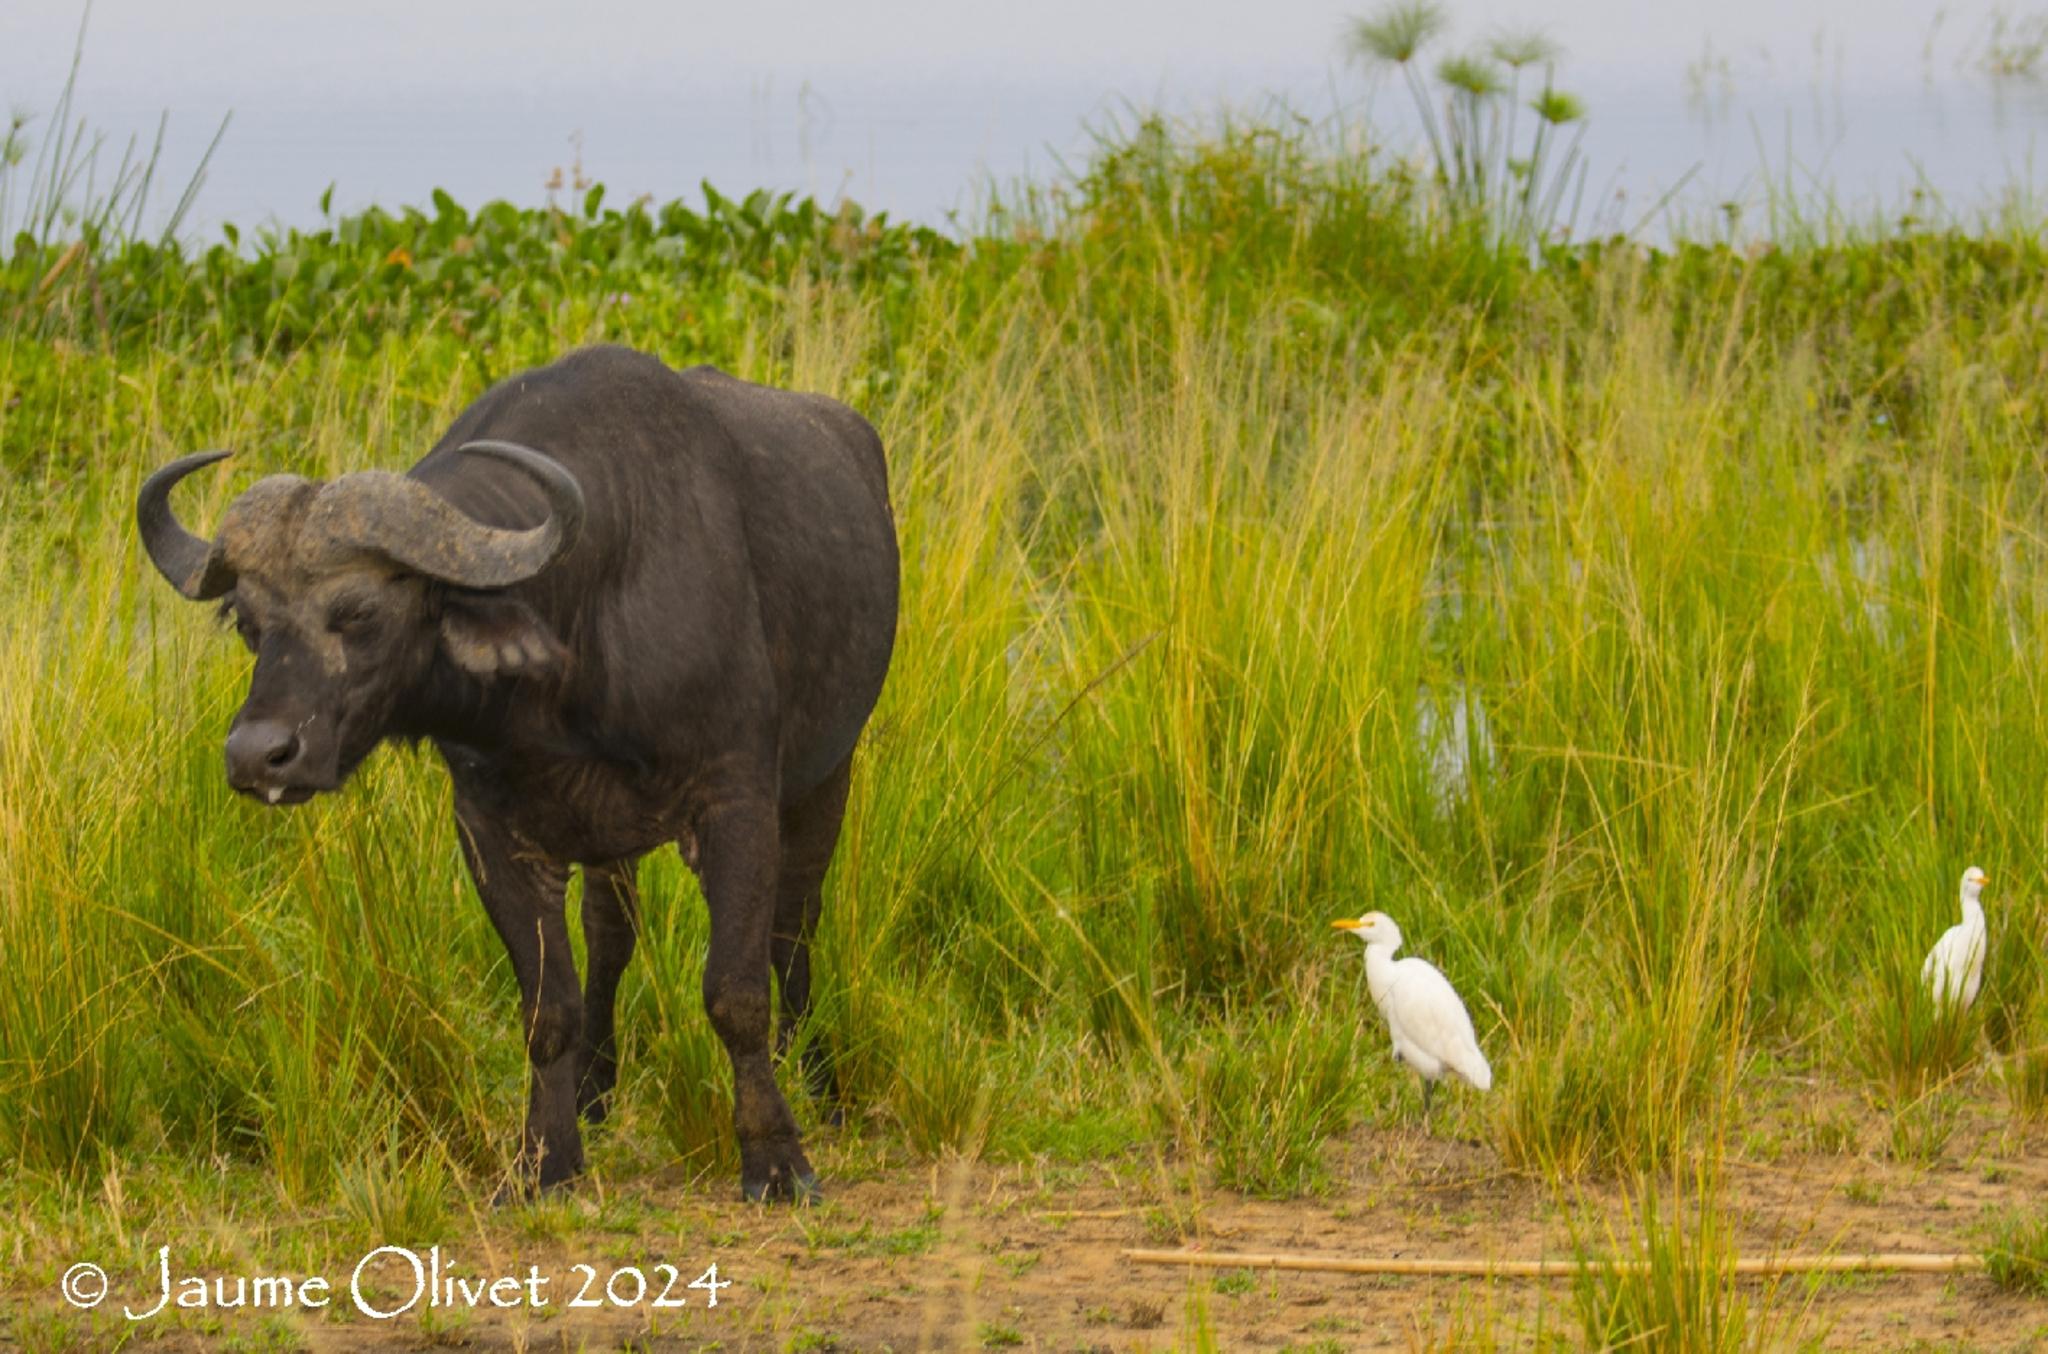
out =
column 512, row 1194
column 778, row 1174
column 801, row 1189
column 524, row 1188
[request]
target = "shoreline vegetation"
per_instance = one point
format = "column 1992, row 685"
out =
column 1656, row 632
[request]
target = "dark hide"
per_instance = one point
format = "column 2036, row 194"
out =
column 696, row 668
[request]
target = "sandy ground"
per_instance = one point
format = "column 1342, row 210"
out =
column 965, row 1256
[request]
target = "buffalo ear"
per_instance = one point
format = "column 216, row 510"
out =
column 499, row 637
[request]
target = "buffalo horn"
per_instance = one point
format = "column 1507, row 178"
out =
column 407, row 522
column 192, row 565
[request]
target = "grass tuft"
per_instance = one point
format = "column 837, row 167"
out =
column 2016, row 1254
column 1269, row 1092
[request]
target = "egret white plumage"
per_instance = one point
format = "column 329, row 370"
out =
column 1954, row 969
column 1431, row 1030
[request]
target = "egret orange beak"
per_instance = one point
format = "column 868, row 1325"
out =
column 1344, row 925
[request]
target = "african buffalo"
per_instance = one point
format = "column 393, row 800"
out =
column 628, row 605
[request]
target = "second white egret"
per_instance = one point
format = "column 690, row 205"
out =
column 1954, row 968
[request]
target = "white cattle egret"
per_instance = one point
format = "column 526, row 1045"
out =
column 1955, row 966
column 1431, row 1031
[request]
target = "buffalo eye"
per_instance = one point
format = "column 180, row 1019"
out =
column 352, row 619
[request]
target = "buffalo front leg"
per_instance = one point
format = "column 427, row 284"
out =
column 522, row 891
column 738, row 862
column 810, row 834
column 611, row 919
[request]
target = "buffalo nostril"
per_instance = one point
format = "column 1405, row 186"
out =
column 261, row 751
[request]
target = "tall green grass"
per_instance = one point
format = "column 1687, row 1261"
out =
column 1675, row 1287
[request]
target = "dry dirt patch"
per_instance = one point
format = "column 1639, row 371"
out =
column 973, row 1255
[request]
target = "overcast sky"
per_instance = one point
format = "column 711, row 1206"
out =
column 168, row 48
column 910, row 105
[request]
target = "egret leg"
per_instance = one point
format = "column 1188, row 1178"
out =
column 1428, row 1087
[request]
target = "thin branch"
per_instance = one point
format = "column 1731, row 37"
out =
column 1888, row 1262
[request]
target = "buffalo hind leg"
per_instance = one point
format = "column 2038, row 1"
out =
column 523, row 894
column 738, row 862
column 611, row 921
column 810, row 834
